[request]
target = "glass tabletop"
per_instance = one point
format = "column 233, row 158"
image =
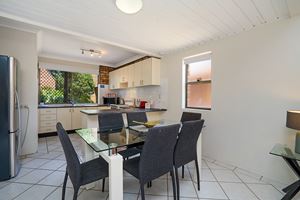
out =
column 284, row 151
column 125, row 137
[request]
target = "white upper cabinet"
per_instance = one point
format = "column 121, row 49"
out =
column 143, row 73
column 123, row 75
column 113, row 81
column 137, row 74
column 131, row 77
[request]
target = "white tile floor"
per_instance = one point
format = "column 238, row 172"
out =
column 42, row 175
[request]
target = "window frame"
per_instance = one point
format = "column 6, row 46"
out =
column 186, row 84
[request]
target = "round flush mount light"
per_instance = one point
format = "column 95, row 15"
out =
column 129, row 6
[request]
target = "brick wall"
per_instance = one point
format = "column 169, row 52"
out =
column 104, row 74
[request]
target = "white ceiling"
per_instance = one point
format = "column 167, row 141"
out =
column 161, row 26
column 61, row 45
column 54, row 44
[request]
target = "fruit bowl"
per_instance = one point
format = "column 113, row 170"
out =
column 149, row 124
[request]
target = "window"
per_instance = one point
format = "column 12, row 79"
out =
column 57, row 87
column 197, row 82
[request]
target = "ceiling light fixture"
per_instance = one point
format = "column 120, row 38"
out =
column 92, row 52
column 129, row 6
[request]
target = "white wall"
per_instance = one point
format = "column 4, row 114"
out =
column 23, row 46
column 255, row 80
column 69, row 66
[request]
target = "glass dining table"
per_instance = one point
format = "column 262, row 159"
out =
column 107, row 144
column 115, row 139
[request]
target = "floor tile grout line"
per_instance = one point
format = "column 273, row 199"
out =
column 32, row 185
column 247, row 186
column 277, row 189
column 193, row 183
column 218, row 182
column 264, row 183
column 50, row 193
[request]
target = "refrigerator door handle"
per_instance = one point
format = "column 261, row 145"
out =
column 19, row 133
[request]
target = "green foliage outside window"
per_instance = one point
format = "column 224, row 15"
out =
column 58, row 87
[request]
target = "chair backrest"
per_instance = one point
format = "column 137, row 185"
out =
column 157, row 155
column 110, row 120
column 186, row 146
column 189, row 116
column 136, row 116
column 73, row 164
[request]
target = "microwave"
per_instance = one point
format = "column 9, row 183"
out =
column 111, row 100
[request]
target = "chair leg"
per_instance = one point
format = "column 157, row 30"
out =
column 198, row 176
column 103, row 184
column 149, row 184
column 75, row 193
column 177, row 183
column 64, row 186
column 182, row 171
column 142, row 191
column 173, row 184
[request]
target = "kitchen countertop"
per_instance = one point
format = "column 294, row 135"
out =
column 70, row 105
column 125, row 110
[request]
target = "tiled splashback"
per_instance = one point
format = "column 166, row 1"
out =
column 147, row 93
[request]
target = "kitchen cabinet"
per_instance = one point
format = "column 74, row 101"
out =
column 47, row 120
column 76, row 118
column 64, row 116
column 131, row 81
column 137, row 74
column 143, row 73
column 151, row 72
column 71, row 118
column 113, row 80
column 123, row 75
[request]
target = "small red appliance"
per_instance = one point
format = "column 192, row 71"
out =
column 143, row 104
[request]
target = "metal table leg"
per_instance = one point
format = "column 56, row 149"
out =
column 294, row 188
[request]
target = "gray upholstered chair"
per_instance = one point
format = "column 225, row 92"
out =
column 110, row 121
column 189, row 116
column 131, row 117
column 185, row 117
column 186, row 148
column 156, row 158
column 136, row 116
column 80, row 174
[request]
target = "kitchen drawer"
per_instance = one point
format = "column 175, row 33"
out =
column 47, row 111
column 48, row 117
column 47, row 129
column 47, row 123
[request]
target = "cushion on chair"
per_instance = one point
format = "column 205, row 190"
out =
column 132, row 166
column 93, row 170
column 130, row 152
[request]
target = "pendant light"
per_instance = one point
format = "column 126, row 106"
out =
column 129, row 6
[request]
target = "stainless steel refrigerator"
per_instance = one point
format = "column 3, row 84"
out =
column 10, row 133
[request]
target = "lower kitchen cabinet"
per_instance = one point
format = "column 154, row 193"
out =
column 64, row 116
column 76, row 118
column 70, row 118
